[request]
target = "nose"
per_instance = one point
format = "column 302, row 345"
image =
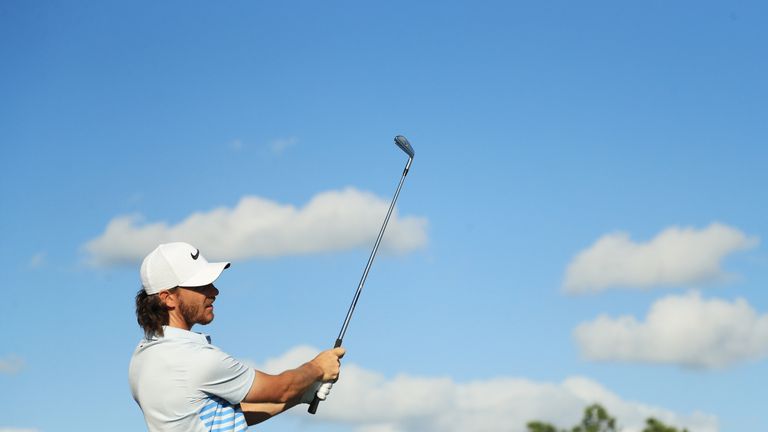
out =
column 211, row 291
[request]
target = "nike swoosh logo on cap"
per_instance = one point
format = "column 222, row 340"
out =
column 195, row 255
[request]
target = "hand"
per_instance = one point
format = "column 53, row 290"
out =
column 319, row 389
column 329, row 363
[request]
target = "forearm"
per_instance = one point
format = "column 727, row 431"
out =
column 280, row 392
column 285, row 388
column 258, row 412
column 299, row 380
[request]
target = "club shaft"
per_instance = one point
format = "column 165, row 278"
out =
column 401, row 142
column 370, row 259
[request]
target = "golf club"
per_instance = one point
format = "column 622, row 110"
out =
column 406, row 147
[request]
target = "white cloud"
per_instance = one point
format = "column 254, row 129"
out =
column 676, row 256
column 685, row 330
column 279, row 145
column 370, row 402
column 11, row 364
column 37, row 261
column 258, row 227
column 236, row 144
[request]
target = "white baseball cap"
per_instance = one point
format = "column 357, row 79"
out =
column 177, row 264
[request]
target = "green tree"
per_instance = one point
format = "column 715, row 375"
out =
column 536, row 426
column 653, row 425
column 596, row 419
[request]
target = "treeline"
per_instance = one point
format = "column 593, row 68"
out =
column 597, row 419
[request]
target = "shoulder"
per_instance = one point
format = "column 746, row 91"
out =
column 210, row 356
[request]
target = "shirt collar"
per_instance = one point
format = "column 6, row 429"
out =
column 177, row 333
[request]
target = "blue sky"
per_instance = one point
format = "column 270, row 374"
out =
column 621, row 146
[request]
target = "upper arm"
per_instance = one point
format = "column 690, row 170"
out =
column 218, row 374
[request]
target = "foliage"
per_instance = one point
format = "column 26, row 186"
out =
column 597, row 419
column 653, row 425
column 536, row 426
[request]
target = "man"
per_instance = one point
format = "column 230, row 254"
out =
column 182, row 382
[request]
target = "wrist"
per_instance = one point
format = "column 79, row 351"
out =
column 315, row 371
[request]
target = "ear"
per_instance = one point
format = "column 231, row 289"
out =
column 169, row 299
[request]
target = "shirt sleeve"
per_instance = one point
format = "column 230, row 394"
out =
column 217, row 373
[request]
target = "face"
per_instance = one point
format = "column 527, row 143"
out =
column 195, row 304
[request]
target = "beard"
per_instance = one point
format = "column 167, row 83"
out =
column 193, row 314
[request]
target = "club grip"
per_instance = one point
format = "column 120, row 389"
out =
column 316, row 400
column 313, row 406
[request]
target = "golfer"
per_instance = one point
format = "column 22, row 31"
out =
column 182, row 382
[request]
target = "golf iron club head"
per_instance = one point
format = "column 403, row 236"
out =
column 404, row 145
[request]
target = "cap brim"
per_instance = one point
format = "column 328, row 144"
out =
column 206, row 276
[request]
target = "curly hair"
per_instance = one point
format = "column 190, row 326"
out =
column 151, row 313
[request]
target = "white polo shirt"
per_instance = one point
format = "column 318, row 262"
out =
column 182, row 383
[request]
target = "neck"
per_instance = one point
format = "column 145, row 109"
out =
column 176, row 320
